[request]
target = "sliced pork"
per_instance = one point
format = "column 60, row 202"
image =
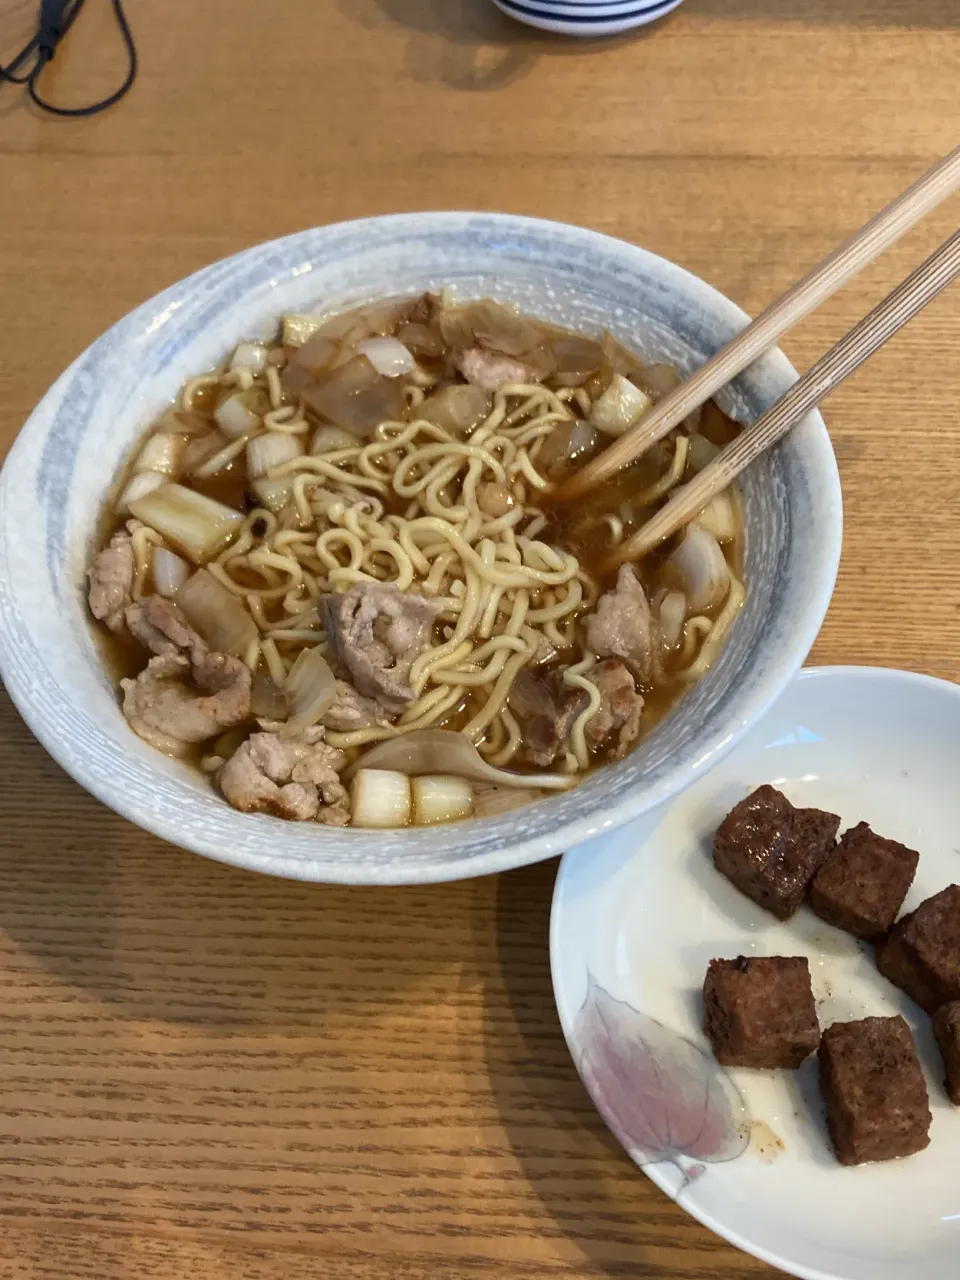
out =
column 545, row 713
column 490, row 370
column 111, row 581
column 161, row 627
column 351, row 711
column 619, row 715
column 622, row 626
column 174, row 703
column 376, row 634
column 288, row 778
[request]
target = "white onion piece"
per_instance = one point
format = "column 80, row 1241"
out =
column 298, row 328
column 271, row 450
column 380, row 798
column 719, row 516
column 162, row 452
column 169, row 572
column 699, row 563
column 234, row 416
column 195, row 524
column 274, row 494
column 310, row 690
column 619, row 407
column 673, row 614
column 701, row 451
column 441, row 798
column 250, row 355
column 326, row 438
column 143, row 482
column 388, row 356
column 220, row 616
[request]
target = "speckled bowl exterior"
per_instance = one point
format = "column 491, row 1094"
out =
column 54, row 481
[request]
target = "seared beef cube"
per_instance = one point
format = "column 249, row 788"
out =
column 861, row 885
column 771, row 850
column 946, row 1027
column 759, row 1011
column 922, row 954
column 874, row 1090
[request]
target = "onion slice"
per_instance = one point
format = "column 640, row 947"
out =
column 143, row 482
column 445, row 751
column 491, row 802
column 234, row 416
column 250, row 355
column 310, row 690
column 274, row 494
column 673, row 614
column 458, row 408
column 388, row 356
column 162, row 452
column 297, row 329
column 326, row 438
column 619, row 407
column 169, row 572
column 700, row 565
column 380, row 798
column 271, row 450
column 195, row 524
column 219, row 616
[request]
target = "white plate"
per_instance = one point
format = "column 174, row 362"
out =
column 638, row 914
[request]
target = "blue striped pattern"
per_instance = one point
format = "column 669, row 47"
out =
column 587, row 17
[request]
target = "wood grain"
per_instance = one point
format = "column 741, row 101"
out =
column 204, row 1073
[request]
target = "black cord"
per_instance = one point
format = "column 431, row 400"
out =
column 56, row 19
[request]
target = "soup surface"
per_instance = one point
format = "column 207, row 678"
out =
column 332, row 577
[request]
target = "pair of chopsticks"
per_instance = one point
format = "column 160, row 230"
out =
column 919, row 288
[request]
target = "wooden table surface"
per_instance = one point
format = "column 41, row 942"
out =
column 208, row 1074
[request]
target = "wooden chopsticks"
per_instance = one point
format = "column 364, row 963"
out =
column 900, row 306
column 762, row 333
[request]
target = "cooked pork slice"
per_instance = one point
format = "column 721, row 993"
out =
column 545, row 715
column 351, row 711
column 491, row 370
column 620, row 710
column 111, row 581
column 162, row 627
column 288, row 778
column 376, row 633
column 173, row 703
column 622, row 626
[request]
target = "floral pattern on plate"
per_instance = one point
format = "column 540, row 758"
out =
column 662, row 1096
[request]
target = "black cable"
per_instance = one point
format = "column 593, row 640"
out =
column 56, row 19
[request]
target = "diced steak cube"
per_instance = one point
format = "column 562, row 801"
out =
column 759, row 1011
column 771, row 850
column 861, row 885
column 946, row 1027
column 874, row 1091
column 922, row 953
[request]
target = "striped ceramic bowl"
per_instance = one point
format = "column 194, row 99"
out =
column 587, row 17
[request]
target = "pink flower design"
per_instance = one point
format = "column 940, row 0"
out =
column 661, row 1096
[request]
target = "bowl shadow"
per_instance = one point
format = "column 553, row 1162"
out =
column 159, row 934
column 471, row 45
column 599, row 1202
